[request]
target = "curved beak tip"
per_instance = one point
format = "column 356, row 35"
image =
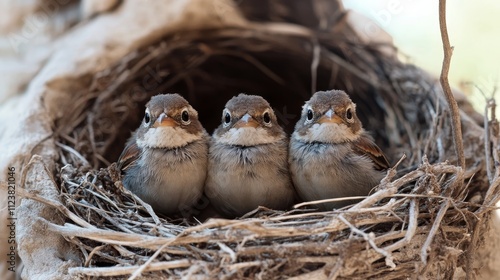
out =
column 164, row 121
column 246, row 121
column 330, row 117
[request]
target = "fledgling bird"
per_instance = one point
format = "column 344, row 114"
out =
column 247, row 164
column 331, row 155
column 165, row 160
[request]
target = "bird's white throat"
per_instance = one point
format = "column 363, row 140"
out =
column 328, row 133
column 247, row 136
column 167, row 137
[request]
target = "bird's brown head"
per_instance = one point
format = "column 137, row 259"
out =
column 328, row 117
column 169, row 122
column 248, row 120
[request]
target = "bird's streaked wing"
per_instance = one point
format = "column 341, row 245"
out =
column 129, row 156
column 365, row 146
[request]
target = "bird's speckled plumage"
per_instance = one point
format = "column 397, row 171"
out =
column 248, row 165
column 166, row 166
column 331, row 156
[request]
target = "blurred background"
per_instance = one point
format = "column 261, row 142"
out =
column 414, row 26
column 473, row 28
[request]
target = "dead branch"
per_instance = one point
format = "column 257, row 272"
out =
column 452, row 103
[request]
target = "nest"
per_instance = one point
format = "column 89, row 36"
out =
column 423, row 218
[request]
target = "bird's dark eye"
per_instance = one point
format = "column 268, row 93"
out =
column 227, row 118
column 348, row 114
column 310, row 114
column 267, row 118
column 185, row 116
column 147, row 118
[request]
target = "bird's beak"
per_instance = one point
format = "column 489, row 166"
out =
column 330, row 117
column 246, row 121
column 164, row 121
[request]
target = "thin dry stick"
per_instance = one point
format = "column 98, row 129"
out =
column 488, row 199
column 437, row 222
column 74, row 152
column 412, row 228
column 487, row 140
column 117, row 271
column 387, row 188
column 335, row 272
column 321, row 201
column 472, row 248
column 56, row 204
column 452, row 103
column 495, row 170
column 228, row 250
column 369, row 237
column 148, row 262
column 91, row 254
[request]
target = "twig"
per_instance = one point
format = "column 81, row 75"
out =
column 244, row 265
column 452, row 103
column 228, row 250
column 74, row 152
column 91, row 254
column 472, row 248
column 148, row 207
column 389, row 259
column 487, row 140
column 383, row 208
column 111, row 237
column 114, row 259
column 412, row 228
column 494, row 142
column 389, row 190
column 56, row 204
column 335, row 272
column 144, row 266
column 321, row 201
column 437, row 222
column 117, row 271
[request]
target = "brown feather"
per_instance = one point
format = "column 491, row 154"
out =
column 129, row 156
column 364, row 145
